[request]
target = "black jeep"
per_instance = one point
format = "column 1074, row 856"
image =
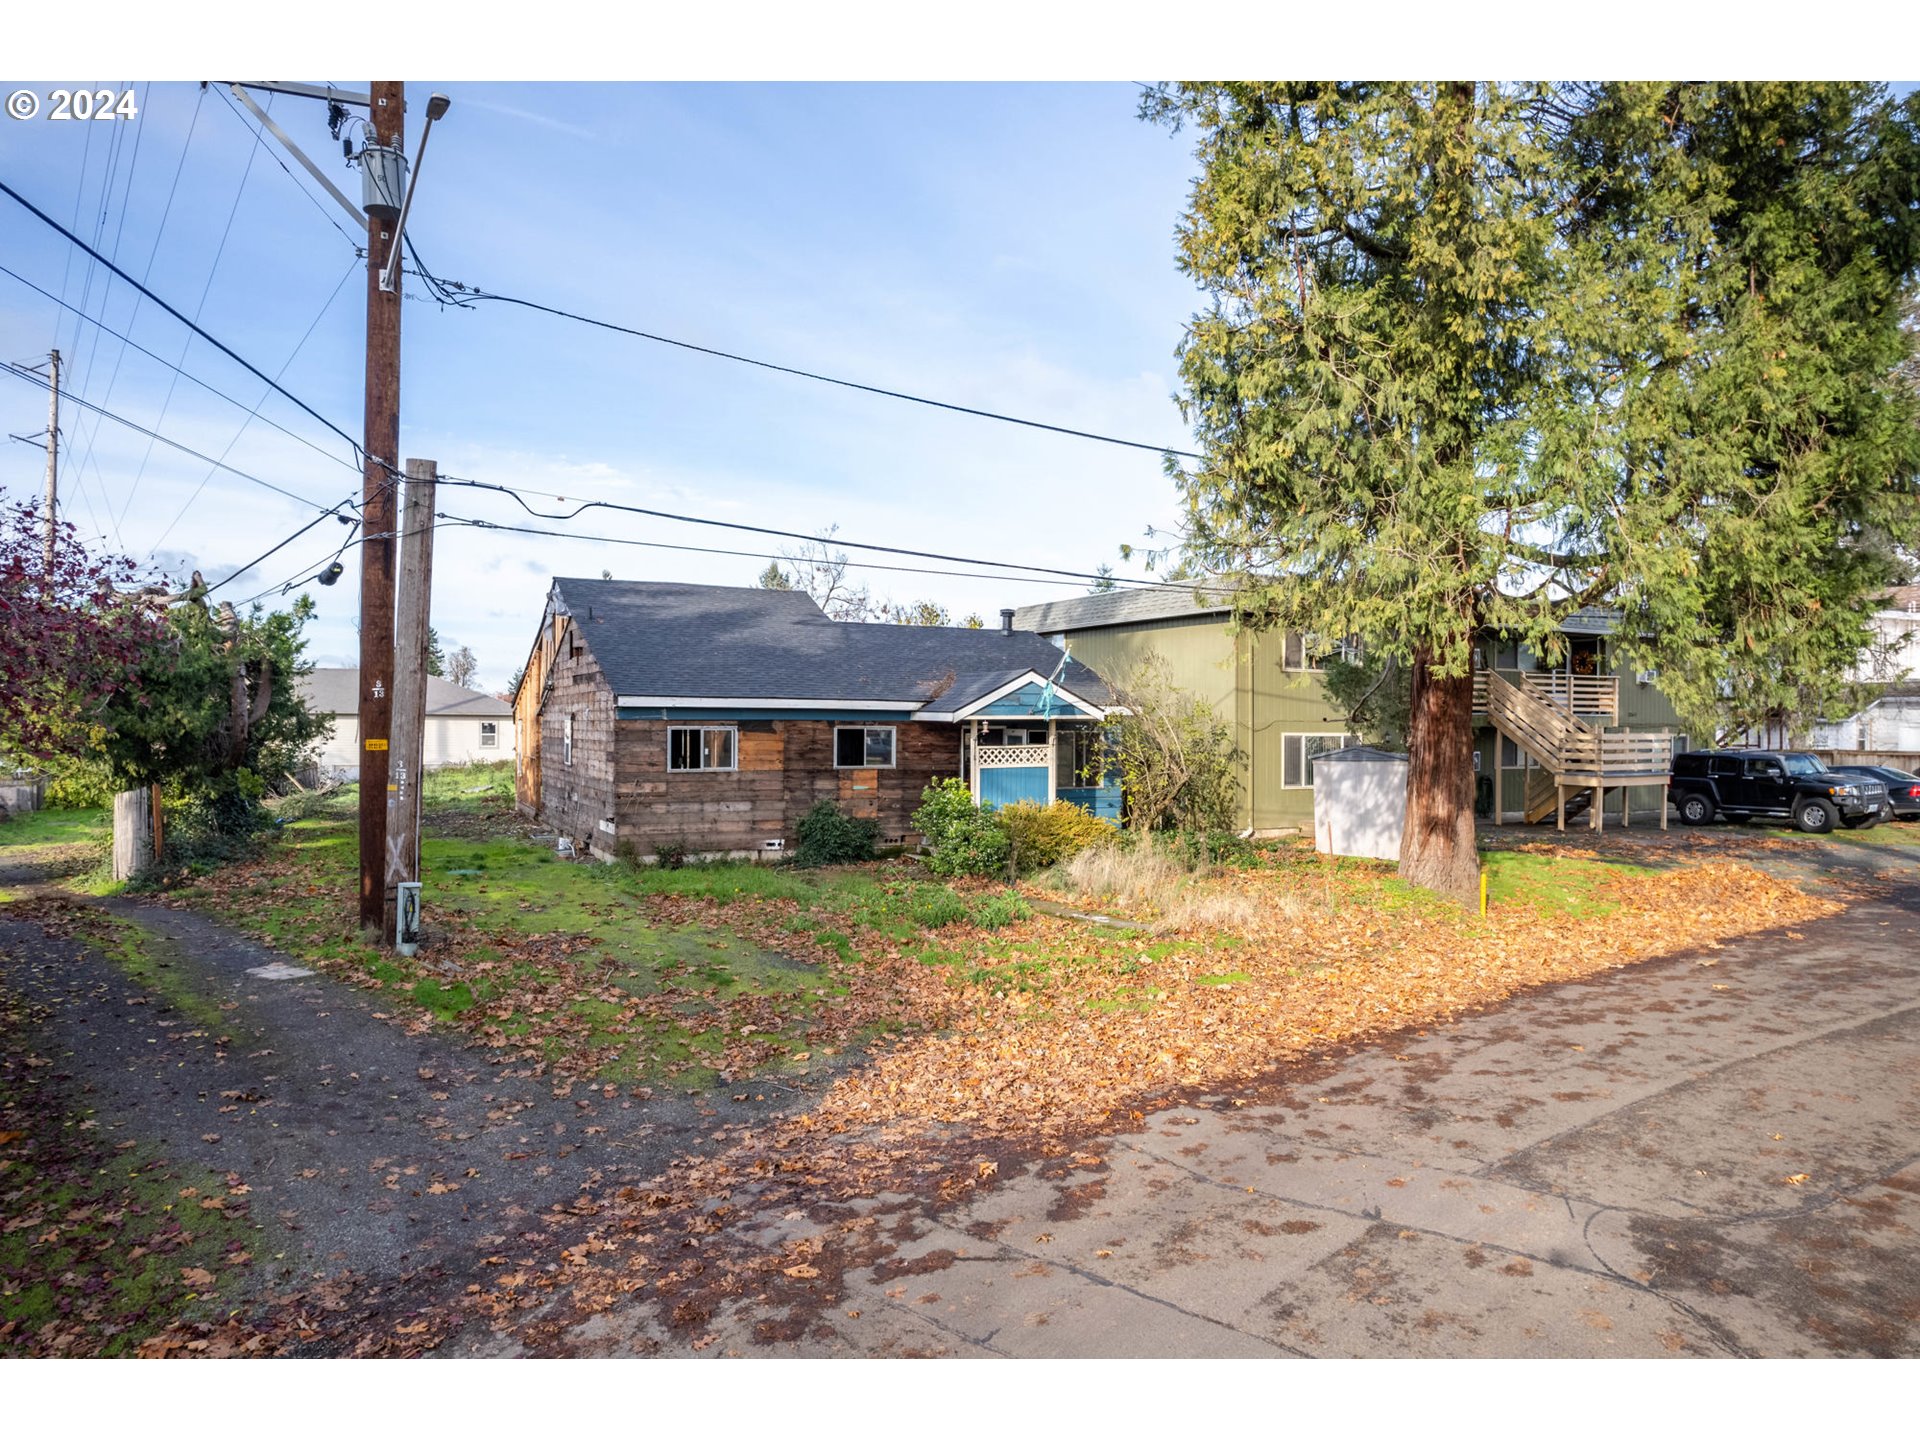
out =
column 1773, row 785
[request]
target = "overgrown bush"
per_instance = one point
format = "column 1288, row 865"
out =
column 1200, row 849
column 669, row 854
column 827, row 835
column 962, row 838
column 1175, row 757
column 1043, row 835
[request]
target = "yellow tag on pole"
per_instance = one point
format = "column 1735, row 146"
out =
column 376, row 744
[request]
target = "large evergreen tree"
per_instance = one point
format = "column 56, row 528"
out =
column 1475, row 355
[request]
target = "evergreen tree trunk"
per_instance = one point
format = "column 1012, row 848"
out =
column 1437, row 847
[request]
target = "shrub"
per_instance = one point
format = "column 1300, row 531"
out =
column 1175, row 757
column 1043, row 835
column 827, row 835
column 961, row 838
column 669, row 854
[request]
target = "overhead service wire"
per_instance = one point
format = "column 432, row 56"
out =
column 463, row 295
column 789, row 535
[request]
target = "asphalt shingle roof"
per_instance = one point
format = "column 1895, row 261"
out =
column 1118, row 607
column 728, row 642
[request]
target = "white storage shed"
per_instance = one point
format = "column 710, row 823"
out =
column 1359, row 802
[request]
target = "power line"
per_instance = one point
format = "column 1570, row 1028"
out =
column 313, row 199
column 252, row 414
column 173, row 384
column 851, row 564
column 232, row 355
column 468, row 293
column 24, row 373
column 785, row 534
column 188, row 374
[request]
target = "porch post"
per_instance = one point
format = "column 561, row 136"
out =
column 1053, row 757
column 973, row 757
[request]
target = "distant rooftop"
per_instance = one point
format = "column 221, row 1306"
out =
column 337, row 692
column 1119, row 607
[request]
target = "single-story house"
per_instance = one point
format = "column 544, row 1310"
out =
column 714, row 717
column 464, row 727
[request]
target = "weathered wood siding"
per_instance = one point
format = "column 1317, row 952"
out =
column 577, row 798
column 785, row 768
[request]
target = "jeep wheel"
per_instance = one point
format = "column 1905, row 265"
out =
column 1814, row 816
column 1863, row 822
column 1695, row 810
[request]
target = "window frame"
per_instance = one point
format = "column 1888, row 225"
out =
column 566, row 741
column 1305, row 765
column 489, row 734
column 732, row 732
column 1294, row 658
column 893, row 747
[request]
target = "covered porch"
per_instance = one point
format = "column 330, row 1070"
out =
column 1035, row 742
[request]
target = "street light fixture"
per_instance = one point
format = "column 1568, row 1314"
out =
column 437, row 105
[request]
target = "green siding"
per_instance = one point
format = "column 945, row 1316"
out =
column 1198, row 654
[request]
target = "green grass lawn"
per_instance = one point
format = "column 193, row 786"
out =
column 40, row 828
column 576, row 960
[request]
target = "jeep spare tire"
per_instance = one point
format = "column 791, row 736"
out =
column 1814, row 816
column 1695, row 810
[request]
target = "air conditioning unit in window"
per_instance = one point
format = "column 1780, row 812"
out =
column 1644, row 677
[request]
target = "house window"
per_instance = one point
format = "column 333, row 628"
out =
column 700, row 747
column 566, row 742
column 1512, row 757
column 1078, row 752
column 1298, row 752
column 1013, row 734
column 489, row 735
column 1310, row 652
column 859, row 747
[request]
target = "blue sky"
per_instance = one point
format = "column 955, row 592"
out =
column 1001, row 246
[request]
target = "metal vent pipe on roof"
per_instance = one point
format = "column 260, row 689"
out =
column 1006, row 620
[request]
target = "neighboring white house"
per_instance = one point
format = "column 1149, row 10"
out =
column 464, row 727
column 1890, row 723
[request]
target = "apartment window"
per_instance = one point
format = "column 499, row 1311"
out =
column 701, row 747
column 1298, row 752
column 566, row 742
column 489, row 735
column 1512, row 757
column 859, row 747
column 1306, row 651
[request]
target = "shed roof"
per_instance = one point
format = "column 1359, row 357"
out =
column 666, row 641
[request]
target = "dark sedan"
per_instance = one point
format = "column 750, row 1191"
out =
column 1903, row 786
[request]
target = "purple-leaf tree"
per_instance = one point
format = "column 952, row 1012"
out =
column 70, row 637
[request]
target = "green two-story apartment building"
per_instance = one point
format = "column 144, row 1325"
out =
column 1268, row 688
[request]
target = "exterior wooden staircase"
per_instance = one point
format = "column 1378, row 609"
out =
column 1574, row 755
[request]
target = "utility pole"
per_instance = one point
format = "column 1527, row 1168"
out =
column 53, row 454
column 382, row 450
column 410, row 679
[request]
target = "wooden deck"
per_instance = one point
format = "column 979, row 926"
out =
column 1574, row 755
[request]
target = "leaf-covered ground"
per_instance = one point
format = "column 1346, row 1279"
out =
column 936, row 1030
